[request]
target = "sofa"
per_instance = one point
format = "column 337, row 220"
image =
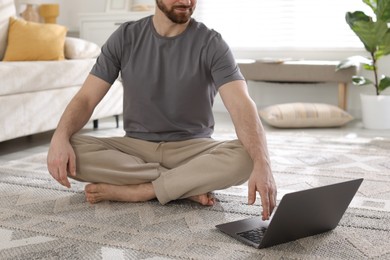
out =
column 34, row 92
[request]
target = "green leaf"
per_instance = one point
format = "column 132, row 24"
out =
column 369, row 67
column 370, row 33
column 384, row 83
column 383, row 10
column 361, row 24
column 361, row 81
column 353, row 61
column 354, row 17
column 372, row 3
column 384, row 48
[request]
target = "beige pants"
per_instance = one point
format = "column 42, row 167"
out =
column 176, row 169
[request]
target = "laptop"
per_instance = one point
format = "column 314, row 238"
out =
column 299, row 214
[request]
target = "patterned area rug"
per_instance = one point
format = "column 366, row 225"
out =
column 41, row 220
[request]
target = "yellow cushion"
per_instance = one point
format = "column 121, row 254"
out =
column 29, row 41
column 300, row 115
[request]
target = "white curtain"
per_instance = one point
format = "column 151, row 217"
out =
column 282, row 24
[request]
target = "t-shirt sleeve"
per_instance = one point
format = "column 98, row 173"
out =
column 108, row 63
column 223, row 66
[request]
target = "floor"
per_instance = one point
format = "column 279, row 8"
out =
column 25, row 146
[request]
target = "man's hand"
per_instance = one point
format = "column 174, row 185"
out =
column 262, row 181
column 61, row 160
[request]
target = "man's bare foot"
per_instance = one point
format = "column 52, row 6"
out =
column 203, row 199
column 132, row 193
column 127, row 193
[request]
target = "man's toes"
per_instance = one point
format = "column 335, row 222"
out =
column 204, row 199
column 91, row 188
column 91, row 198
column 92, row 193
column 211, row 201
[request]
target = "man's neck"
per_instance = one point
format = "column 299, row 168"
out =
column 165, row 27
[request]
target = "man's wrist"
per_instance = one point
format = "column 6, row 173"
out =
column 61, row 135
column 261, row 163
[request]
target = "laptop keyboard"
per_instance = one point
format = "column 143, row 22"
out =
column 254, row 235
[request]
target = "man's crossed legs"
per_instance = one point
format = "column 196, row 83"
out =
column 132, row 170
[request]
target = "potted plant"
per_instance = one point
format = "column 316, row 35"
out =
column 374, row 33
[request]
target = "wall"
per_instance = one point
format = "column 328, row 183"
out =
column 70, row 10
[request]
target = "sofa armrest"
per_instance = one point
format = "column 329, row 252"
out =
column 76, row 48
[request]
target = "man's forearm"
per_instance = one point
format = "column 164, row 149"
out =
column 81, row 107
column 251, row 133
column 243, row 112
column 75, row 116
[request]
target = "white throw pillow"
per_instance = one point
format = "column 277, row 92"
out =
column 300, row 115
column 76, row 48
column 7, row 9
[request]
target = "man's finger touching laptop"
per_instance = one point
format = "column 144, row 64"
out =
column 267, row 193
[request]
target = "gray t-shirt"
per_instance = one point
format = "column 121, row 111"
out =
column 169, row 82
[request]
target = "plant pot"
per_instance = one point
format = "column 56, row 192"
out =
column 375, row 111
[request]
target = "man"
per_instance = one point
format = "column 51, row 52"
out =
column 171, row 67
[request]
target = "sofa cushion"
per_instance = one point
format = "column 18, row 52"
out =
column 45, row 41
column 31, row 76
column 7, row 9
column 299, row 115
column 80, row 49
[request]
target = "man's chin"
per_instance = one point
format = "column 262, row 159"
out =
column 180, row 19
column 184, row 14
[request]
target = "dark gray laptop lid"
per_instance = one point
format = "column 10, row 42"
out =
column 300, row 214
column 310, row 212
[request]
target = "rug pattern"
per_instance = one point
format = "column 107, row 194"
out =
column 41, row 220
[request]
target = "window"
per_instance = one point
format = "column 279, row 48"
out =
column 282, row 24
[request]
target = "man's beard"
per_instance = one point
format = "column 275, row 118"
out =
column 174, row 17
